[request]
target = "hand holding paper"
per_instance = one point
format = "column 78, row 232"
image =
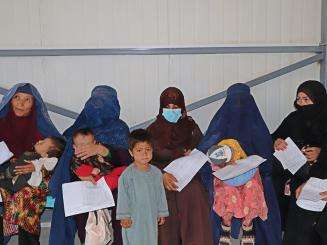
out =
column 291, row 158
column 170, row 182
column 323, row 195
column 310, row 198
column 185, row 168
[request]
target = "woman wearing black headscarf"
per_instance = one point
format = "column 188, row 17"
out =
column 307, row 127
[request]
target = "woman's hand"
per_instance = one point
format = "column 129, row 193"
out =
column 84, row 152
column 298, row 190
column 24, row 169
column 280, row 145
column 187, row 152
column 323, row 196
column 311, row 153
column 169, row 182
column 88, row 178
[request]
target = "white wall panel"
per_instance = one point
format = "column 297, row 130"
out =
column 139, row 80
column 68, row 81
column 111, row 23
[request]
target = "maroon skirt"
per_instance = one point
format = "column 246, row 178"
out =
column 189, row 217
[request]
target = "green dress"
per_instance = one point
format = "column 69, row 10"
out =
column 141, row 197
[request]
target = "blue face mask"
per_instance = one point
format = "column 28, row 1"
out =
column 172, row 115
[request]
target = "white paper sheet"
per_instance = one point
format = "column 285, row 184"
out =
column 83, row 196
column 291, row 158
column 241, row 166
column 5, row 153
column 185, row 168
column 309, row 198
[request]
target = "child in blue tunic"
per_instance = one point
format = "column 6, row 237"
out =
column 141, row 204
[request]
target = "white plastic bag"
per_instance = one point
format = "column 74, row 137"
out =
column 99, row 228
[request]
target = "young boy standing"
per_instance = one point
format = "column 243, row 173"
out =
column 142, row 204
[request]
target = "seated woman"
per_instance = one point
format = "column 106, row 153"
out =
column 24, row 120
column 307, row 127
column 101, row 115
column 239, row 118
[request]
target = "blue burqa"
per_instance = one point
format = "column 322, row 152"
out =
column 101, row 114
column 44, row 123
column 239, row 118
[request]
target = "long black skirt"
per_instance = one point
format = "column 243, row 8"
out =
column 301, row 226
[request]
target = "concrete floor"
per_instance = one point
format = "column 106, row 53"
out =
column 45, row 231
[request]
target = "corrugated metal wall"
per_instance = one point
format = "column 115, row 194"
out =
column 67, row 81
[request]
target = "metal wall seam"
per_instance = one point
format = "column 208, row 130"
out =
column 161, row 51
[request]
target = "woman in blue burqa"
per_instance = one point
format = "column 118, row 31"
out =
column 100, row 114
column 24, row 120
column 239, row 118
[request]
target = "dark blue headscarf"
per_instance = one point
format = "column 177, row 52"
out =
column 44, row 123
column 101, row 114
column 239, row 118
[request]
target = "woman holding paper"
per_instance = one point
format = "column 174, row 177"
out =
column 239, row 118
column 174, row 135
column 307, row 127
column 101, row 114
column 24, row 120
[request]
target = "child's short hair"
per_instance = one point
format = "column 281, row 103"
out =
column 137, row 136
column 82, row 131
column 58, row 147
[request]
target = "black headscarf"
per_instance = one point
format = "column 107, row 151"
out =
column 315, row 91
column 312, row 118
